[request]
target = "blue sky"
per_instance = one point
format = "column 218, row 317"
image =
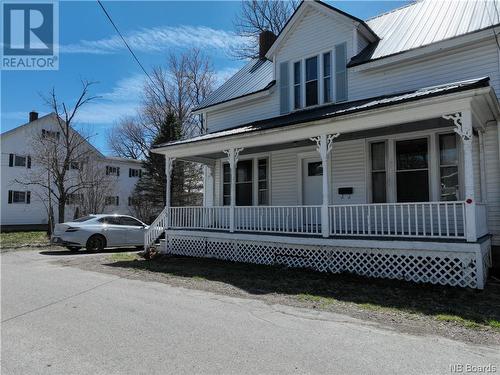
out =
column 91, row 50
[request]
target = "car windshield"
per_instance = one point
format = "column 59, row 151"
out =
column 84, row 218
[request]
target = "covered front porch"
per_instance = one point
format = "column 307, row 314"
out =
column 409, row 173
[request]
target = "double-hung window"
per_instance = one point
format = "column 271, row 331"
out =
column 311, row 81
column 327, row 77
column 412, row 170
column 263, row 183
column 448, row 167
column 112, row 200
column 19, row 197
column 297, row 97
column 378, row 171
column 244, row 183
column 112, row 171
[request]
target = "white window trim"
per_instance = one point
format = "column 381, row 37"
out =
column 302, row 61
column 255, row 178
column 432, row 136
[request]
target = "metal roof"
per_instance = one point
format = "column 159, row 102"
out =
column 341, row 109
column 255, row 76
column 425, row 22
column 418, row 24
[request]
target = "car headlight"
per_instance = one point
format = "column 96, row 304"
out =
column 72, row 229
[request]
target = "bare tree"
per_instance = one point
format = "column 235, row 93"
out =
column 96, row 187
column 59, row 153
column 256, row 16
column 130, row 139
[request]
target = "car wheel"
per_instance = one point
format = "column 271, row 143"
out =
column 73, row 248
column 96, row 242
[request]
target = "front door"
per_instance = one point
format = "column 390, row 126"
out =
column 312, row 182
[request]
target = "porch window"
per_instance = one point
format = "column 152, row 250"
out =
column 296, row 85
column 244, row 183
column 412, row 170
column 263, row 184
column 312, row 81
column 448, row 167
column 327, row 77
column 379, row 180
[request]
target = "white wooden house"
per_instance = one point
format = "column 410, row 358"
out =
column 357, row 146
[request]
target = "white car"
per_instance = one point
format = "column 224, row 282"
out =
column 95, row 232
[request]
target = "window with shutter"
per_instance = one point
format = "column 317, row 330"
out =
column 284, row 88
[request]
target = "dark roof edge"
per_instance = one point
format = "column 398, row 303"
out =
column 482, row 82
column 268, row 86
column 352, row 64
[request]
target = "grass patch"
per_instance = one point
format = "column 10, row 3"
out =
column 467, row 307
column 21, row 239
column 123, row 257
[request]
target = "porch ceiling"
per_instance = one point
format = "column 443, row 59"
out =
column 418, row 110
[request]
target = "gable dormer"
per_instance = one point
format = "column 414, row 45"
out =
column 311, row 54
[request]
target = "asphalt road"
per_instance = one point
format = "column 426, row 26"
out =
column 62, row 320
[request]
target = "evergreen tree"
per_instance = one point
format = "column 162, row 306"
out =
column 149, row 196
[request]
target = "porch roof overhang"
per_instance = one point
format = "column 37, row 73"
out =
column 348, row 117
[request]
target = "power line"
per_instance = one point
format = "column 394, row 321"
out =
column 124, row 41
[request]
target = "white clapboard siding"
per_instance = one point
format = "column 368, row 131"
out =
column 284, row 167
column 315, row 33
column 466, row 63
column 493, row 180
column 477, row 169
column 349, row 170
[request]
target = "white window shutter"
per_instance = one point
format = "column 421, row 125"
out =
column 341, row 72
column 284, row 88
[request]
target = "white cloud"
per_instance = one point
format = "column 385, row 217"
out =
column 158, row 39
column 121, row 101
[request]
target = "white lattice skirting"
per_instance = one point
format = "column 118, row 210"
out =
column 464, row 269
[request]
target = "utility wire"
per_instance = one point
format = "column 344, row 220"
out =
column 124, row 41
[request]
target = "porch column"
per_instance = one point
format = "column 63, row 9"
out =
column 463, row 127
column 324, row 147
column 232, row 158
column 169, row 163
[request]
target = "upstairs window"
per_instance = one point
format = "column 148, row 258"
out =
column 50, row 134
column 327, row 77
column 112, row 200
column 19, row 161
column 112, row 171
column 311, row 81
column 296, row 85
column 134, row 172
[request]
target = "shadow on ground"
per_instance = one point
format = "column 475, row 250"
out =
column 449, row 303
column 66, row 252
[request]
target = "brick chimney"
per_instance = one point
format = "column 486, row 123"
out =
column 33, row 116
column 266, row 40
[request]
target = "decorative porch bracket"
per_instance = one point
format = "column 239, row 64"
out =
column 463, row 127
column 169, row 164
column 324, row 144
column 232, row 158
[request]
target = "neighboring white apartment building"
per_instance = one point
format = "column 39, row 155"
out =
column 22, row 206
column 354, row 146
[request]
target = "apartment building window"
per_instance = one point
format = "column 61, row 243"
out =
column 327, row 77
column 19, row 161
column 134, row 172
column 412, row 170
column 112, row 200
column 19, row 197
column 74, row 199
column 448, row 167
column 112, row 171
column 74, row 165
column 378, row 171
column 311, row 81
column 296, row 85
column 50, row 134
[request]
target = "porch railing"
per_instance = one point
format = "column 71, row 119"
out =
column 279, row 219
column 411, row 220
column 156, row 229
column 426, row 219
